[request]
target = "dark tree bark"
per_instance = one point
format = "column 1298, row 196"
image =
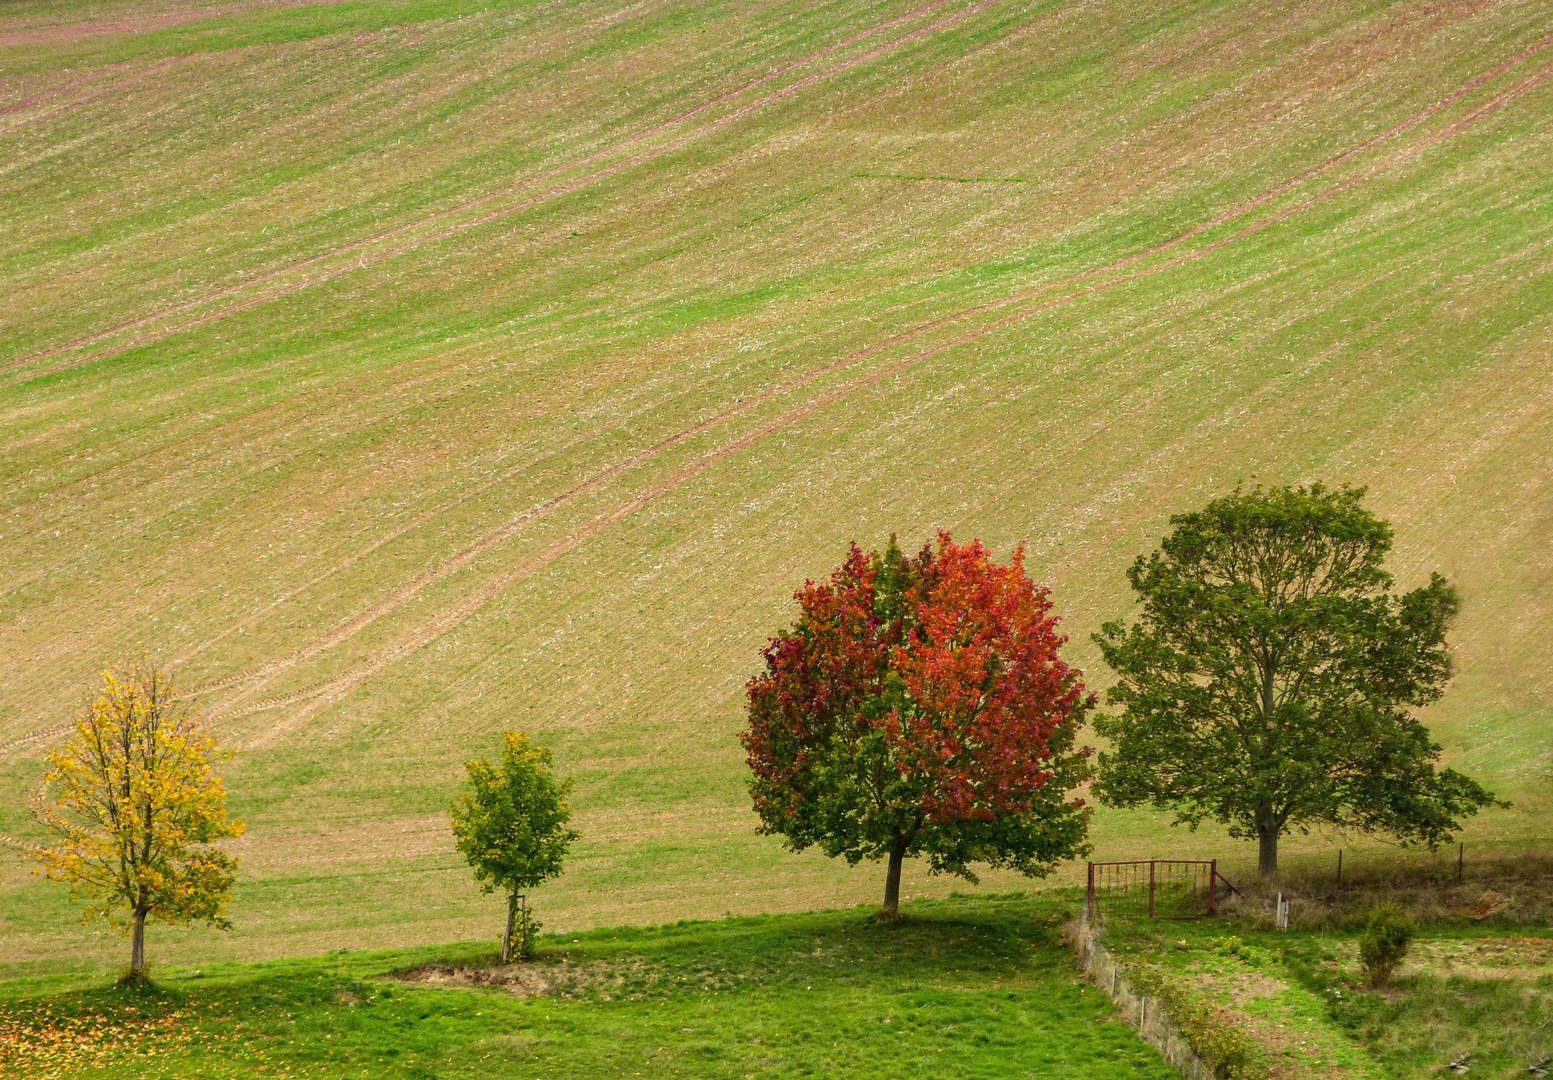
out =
column 1268, row 827
column 892, row 882
column 1267, row 854
column 512, row 915
column 137, row 948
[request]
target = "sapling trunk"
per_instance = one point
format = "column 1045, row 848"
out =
column 137, row 945
column 512, row 917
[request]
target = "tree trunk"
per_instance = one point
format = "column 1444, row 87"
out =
column 137, row 947
column 892, row 883
column 512, row 916
column 1267, row 854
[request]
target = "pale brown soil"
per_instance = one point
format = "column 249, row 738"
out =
column 534, row 978
column 1242, row 986
column 1519, row 958
column 56, row 35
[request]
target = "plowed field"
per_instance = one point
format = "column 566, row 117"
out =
column 404, row 371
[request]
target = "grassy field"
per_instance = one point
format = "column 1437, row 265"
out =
column 970, row 986
column 406, row 371
column 959, row 989
column 1469, row 986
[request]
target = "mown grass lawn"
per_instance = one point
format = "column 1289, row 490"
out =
column 964, row 987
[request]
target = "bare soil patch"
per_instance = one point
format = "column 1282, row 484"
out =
column 541, row 978
column 1525, row 958
column 1242, row 986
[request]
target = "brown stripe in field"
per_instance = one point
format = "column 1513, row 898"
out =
column 42, row 95
column 59, row 35
column 141, row 24
column 160, row 65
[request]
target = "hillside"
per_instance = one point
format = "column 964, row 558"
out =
column 405, row 371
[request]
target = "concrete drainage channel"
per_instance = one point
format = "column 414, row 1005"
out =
column 1138, row 1010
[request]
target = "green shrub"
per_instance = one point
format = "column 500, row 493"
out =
column 1383, row 947
column 1250, row 955
column 1214, row 1037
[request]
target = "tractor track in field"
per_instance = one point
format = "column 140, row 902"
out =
column 452, row 563
column 1240, row 209
column 140, row 76
column 321, row 695
column 31, row 739
column 494, row 588
column 64, row 33
column 471, row 204
column 423, row 518
column 1100, row 429
column 52, row 91
column 775, row 73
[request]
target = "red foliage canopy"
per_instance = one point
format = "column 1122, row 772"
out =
column 920, row 705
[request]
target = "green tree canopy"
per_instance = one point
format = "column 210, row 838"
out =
column 510, row 822
column 1271, row 678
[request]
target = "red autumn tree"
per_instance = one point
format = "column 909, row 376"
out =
column 919, row 708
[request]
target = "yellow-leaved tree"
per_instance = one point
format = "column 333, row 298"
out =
column 135, row 804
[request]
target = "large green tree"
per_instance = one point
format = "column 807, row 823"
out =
column 510, row 823
column 919, row 707
column 1272, row 677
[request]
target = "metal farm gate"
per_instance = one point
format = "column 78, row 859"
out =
column 1155, row 889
